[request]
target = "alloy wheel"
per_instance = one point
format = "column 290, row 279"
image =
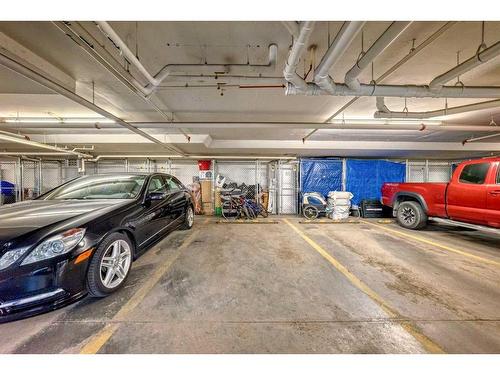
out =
column 408, row 215
column 115, row 264
column 190, row 216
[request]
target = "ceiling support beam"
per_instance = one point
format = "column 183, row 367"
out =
column 12, row 64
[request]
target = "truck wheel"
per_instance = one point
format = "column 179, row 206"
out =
column 411, row 215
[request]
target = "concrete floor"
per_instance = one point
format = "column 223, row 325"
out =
column 289, row 288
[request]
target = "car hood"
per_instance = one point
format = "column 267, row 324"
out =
column 20, row 218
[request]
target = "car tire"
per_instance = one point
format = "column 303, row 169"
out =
column 97, row 284
column 411, row 215
column 188, row 219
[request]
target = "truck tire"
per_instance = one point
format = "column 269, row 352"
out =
column 411, row 215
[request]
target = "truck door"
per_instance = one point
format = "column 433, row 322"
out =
column 466, row 194
column 493, row 199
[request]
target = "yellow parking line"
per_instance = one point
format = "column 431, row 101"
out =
column 429, row 345
column 435, row 244
column 100, row 338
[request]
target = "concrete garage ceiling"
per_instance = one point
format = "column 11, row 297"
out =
column 206, row 111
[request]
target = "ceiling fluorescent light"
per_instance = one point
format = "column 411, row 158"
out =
column 38, row 120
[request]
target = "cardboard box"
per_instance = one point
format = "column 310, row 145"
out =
column 206, row 191
column 207, row 208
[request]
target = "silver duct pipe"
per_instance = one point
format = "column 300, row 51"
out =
column 298, row 48
column 478, row 59
column 389, row 35
column 384, row 112
column 342, row 41
column 48, row 83
column 400, row 91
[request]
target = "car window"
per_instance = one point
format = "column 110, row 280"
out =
column 498, row 174
column 98, row 187
column 156, row 185
column 173, row 184
column 474, row 173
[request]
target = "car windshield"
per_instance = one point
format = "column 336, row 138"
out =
column 99, row 187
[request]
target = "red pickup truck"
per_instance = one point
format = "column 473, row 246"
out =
column 470, row 199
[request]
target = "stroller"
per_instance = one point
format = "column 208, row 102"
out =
column 313, row 205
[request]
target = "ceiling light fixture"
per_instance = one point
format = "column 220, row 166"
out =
column 40, row 120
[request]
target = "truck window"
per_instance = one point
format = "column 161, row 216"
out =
column 474, row 173
column 498, row 175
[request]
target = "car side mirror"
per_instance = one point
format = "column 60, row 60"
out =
column 155, row 196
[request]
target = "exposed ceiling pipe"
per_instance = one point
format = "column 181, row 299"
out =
column 342, row 41
column 384, row 41
column 19, row 68
column 413, row 52
column 298, row 48
column 480, row 138
column 478, row 59
column 163, row 156
column 155, row 81
column 347, row 124
column 13, row 139
column 219, row 69
column 384, row 112
column 400, row 91
column 86, row 41
column 221, row 79
column 33, row 153
column 292, row 27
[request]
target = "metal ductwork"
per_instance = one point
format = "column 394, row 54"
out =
column 384, row 112
column 384, row 41
column 478, row 59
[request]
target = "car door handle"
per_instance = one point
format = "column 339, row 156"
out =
column 495, row 192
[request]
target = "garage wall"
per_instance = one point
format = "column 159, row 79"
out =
column 279, row 177
column 428, row 171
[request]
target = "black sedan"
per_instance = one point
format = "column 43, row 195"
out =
column 81, row 238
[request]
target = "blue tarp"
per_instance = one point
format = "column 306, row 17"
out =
column 7, row 188
column 320, row 175
column 364, row 178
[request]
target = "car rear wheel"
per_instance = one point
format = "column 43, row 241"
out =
column 110, row 265
column 411, row 215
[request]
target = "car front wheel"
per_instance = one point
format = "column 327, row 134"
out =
column 110, row 265
column 189, row 218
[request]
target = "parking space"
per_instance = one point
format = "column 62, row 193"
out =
column 361, row 287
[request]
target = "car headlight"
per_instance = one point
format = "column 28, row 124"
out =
column 11, row 256
column 56, row 245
